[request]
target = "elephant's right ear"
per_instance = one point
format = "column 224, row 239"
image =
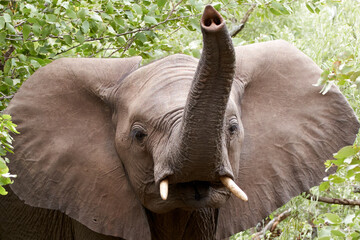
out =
column 65, row 155
column 290, row 130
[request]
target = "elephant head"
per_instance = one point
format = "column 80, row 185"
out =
column 100, row 137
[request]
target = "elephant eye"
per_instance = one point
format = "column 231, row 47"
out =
column 233, row 126
column 138, row 133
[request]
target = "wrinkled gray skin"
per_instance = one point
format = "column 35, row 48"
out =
column 98, row 136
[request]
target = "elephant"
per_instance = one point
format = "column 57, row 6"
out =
column 179, row 148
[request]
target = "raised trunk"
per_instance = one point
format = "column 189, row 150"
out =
column 202, row 133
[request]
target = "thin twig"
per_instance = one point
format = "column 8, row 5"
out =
column 7, row 56
column 6, row 97
column 19, row 24
column 177, row 29
column 243, row 21
column 340, row 201
column 68, row 49
column 128, row 45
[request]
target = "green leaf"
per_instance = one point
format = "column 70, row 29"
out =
column 149, row 19
column 7, row 17
column 137, row 9
column 109, row 8
column 2, row 37
column 336, row 179
column 26, row 31
column 10, row 28
column 217, row 6
column 85, row 27
column 6, row 117
column 2, row 164
column 82, row 13
column 279, row 7
column 346, row 152
column 96, row 17
column 310, row 7
column 324, row 238
column 51, row 18
column 333, row 218
column 2, row 22
column 337, row 233
column 195, row 25
column 8, row 81
column 36, row 29
column 141, row 36
column 106, row 16
column 3, row 191
column 274, row 11
column 70, row 13
column 324, row 186
column 35, row 64
column 355, row 236
column 121, row 40
column 5, row 181
column 161, row 3
column 67, row 39
column 80, row 37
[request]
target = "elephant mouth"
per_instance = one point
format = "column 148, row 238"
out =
column 200, row 194
column 188, row 196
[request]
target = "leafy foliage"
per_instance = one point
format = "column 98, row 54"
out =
column 6, row 127
column 34, row 33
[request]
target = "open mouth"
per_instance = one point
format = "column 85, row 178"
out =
column 199, row 194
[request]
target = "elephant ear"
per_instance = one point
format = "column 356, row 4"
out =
column 65, row 155
column 290, row 130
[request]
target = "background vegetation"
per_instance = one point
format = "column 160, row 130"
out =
column 34, row 33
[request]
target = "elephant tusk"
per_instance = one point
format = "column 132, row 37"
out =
column 231, row 185
column 164, row 189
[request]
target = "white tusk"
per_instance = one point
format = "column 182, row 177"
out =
column 164, row 189
column 231, row 185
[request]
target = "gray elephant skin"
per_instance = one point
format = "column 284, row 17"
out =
column 99, row 136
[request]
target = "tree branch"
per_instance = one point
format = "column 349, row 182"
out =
column 340, row 201
column 271, row 226
column 129, row 32
column 7, row 56
column 243, row 21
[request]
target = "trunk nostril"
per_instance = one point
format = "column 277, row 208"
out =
column 217, row 21
column 207, row 22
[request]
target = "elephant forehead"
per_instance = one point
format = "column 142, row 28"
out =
column 168, row 94
column 161, row 86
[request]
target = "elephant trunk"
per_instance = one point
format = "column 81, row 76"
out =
column 202, row 141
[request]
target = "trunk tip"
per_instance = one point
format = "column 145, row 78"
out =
column 211, row 19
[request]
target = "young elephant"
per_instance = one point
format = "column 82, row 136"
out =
column 154, row 152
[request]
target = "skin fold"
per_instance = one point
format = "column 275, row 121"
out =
column 98, row 136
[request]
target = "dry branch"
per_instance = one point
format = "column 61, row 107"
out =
column 271, row 226
column 243, row 21
column 340, row 201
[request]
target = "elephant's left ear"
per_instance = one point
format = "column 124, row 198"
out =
column 290, row 130
column 65, row 155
